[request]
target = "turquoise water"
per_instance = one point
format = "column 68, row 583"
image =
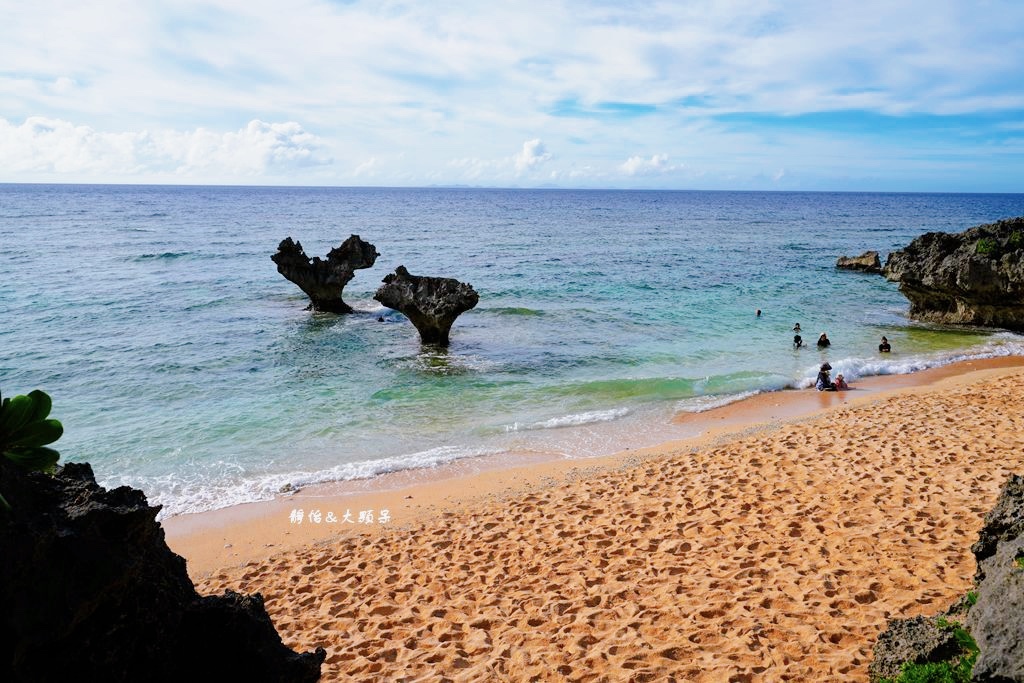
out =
column 181, row 362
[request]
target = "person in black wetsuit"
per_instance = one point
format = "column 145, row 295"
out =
column 798, row 341
column 824, row 382
column 823, row 341
column 884, row 346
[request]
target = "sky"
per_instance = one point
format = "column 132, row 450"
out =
column 764, row 95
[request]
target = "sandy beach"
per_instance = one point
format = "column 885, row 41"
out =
column 772, row 547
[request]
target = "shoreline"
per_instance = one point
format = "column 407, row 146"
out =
column 249, row 532
column 775, row 550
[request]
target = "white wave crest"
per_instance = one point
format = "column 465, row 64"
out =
column 574, row 420
column 194, row 492
column 701, row 404
column 855, row 368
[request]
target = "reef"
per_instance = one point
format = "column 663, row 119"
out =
column 975, row 277
column 431, row 303
column 324, row 281
column 868, row 262
column 90, row 591
column 979, row 637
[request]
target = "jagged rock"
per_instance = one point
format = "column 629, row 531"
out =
column 323, row 281
column 974, row 277
column 996, row 621
column 1004, row 522
column 90, row 591
column 868, row 262
column 431, row 303
column 918, row 640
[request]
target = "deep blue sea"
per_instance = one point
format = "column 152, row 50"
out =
column 181, row 362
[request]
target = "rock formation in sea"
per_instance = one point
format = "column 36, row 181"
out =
column 988, row 624
column 974, row 277
column 323, row 281
column 868, row 262
column 91, row 592
column 431, row 303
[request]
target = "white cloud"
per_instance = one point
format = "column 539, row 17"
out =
column 532, row 155
column 473, row 80
column 657, row 164
column 367, row 168
column 42, row 145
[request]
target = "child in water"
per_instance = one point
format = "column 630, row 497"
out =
column 841, row 384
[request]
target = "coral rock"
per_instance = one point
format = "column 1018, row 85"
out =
column 918, row 640
column 91, row 592
column 324, row 281
column 868, row 262
column 974, row 277
column 431, row 303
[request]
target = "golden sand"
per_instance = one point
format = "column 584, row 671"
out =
column 774, row 556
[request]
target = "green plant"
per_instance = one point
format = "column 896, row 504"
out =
column 972, row 598
column 1016, row 239
column 1019, row 560
column 955, row 671
column 25, row 431
column 986, row 246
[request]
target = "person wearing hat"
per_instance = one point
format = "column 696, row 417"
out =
column 823, row 341
column 824, row 382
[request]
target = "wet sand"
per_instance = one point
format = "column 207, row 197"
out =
column 773, row 547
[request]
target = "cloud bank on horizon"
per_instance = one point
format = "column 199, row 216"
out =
column 764, row 94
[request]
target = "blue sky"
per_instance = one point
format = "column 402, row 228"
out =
column 900, row 96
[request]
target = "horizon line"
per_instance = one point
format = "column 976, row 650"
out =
column 456, row 186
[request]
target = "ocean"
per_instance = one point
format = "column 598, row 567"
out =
column 182, row 363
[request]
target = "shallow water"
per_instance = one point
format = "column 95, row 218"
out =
column 181, row 362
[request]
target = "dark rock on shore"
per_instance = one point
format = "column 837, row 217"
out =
column 1004, row 522
column 90, row 591
column 918, row 640
column 997, row 618
column 324, row 281
column 431, row 303
column 868, row 262
column 974, row 277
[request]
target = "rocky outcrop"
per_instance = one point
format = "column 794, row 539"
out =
column 919, row 640
column 997, row 618
column 868, row 262
column 431, row 303
column 974, row 277
column 994, row 610
column 1004, row 522
column 90, row 591
column 324, row 281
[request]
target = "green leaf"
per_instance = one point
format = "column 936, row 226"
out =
column 4, row 504
column 41, row 405
column 36, row 434
column 15, row 415
column 33, row 458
